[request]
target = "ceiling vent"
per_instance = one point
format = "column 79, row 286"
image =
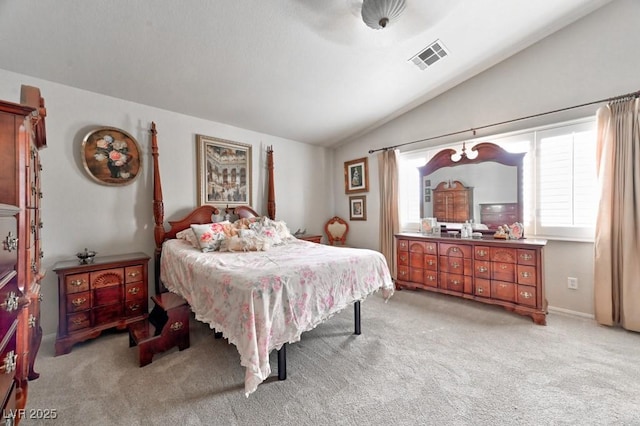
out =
column 430, row 55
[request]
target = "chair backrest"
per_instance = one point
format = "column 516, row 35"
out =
column 336, row 229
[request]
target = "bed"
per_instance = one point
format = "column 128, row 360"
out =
column 261, row 299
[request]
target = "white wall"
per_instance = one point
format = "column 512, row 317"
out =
column 593, row 59
column 78, row 212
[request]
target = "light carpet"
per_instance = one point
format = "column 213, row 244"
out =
column 422, row 358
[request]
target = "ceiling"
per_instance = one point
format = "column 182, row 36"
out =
column 305, row 70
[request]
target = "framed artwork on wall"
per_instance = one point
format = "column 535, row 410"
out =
column 223, row 172
column 111, row 156
column 356, row 176
column 358, row 207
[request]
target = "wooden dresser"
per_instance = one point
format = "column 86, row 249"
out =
column 497, row 214
column 22, row 135
column 452, row 202
column 110, row 292
column 508, row 273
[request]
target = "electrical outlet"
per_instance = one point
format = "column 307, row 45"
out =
column 572, row 283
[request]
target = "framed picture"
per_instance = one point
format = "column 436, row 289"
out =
column 111, row 156
column 223, row 172
column 358, row 207
column 356, row 176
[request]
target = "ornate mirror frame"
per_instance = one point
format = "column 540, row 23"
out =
column 486, row 152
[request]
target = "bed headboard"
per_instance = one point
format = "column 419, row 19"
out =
column 200, row 215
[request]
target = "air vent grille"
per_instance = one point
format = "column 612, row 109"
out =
column 430, row 55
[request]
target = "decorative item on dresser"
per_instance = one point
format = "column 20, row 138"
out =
column 22, row 135
column 506, row 273
column 109, row 292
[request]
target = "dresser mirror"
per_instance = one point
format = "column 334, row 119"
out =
column 484, row 187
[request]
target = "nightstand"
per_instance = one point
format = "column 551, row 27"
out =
column 312, row 238
column 110, row 292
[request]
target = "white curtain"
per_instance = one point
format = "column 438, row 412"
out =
column 389, row 217
column 617, row 242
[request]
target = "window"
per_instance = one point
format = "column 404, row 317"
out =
column 560, row 196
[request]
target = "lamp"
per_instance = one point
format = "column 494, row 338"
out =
column 378, row 13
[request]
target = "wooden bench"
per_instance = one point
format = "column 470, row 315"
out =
column 167, row 326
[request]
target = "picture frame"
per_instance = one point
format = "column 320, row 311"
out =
column 223, row 172
column 358, row 207
column 111, row 156
column 356, row 176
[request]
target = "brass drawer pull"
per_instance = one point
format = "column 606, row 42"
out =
column 455, row 265
column 431, row 278
column 134, row 290
column 79, row 301
column 481, row 253
column 526, row 294
column 482, row 269
column 503, row 267
column 134, row 307
column 503, row 285
column 11, row 303
column 78, row 321
column 526, row 256
column 430, row 262
column 479, row 290
column 77, row 283
column 10, row 243
column 134, row 274
column 455, row 282
column 403, row 258
column 525, row 274
column 10, row 362
column 177, row 326
column 455, row 249
column 403, row 273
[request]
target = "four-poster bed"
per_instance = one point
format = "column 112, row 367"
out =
column 261, row 299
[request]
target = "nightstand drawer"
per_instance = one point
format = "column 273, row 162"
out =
column 78, row 321
column 133, row 273
column 78, row 301
column 76, row 283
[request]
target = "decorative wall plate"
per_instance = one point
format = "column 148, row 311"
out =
column 111, row 156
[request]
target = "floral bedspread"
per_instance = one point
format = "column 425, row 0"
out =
column 263, row 299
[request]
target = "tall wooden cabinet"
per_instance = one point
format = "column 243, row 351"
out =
column 452, row 202
column 22, row 135
column 507, row 273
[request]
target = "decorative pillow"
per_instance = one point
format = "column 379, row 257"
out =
column 282, row 230
column 211, row 235
column 190, row 236
column 266, row 232
column 250, row 242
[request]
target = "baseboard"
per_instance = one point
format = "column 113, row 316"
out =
column 570, row 312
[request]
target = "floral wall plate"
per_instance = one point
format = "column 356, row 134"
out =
column 111, row 156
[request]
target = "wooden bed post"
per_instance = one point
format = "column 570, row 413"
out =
column 158, row 206
column 271, row 199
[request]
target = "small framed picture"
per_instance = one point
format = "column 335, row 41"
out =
column 111, row 156
column 358, row 207
column 356, row 176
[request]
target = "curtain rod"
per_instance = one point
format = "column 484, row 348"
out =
column 473, row 129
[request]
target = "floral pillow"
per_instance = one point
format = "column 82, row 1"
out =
column 210, row 236
column 190, row 236
column 266, row 232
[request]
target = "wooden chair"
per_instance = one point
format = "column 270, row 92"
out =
column 336, row 229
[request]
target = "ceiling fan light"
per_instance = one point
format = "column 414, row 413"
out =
column 377, row 14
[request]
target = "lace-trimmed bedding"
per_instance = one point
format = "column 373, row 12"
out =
column 261, row 300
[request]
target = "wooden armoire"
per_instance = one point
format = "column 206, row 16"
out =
column 22, row 135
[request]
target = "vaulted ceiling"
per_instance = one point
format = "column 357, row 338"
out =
column 306, row 70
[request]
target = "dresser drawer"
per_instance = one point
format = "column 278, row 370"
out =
column 527, row 257
column 504, row 255
column 76, row 283
column 503, row 291
column 78, row 301
column 135, row 307
column 526, row 295
column 503, row 271
column 455, row 250
column 454, row 282
column 8, row 353
column 403, row 258
column 135, row 291
column 107, row 295
column 431, row 262
column 107, row 314
column 482, row 269
column 526, row 275
column 133, row 273
column 483, row 287
column 455, row 265
column 430, row 278
column 8, row 244
column 482, row 253
column 403, row 273
column 78, row 321
column 403, row 245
